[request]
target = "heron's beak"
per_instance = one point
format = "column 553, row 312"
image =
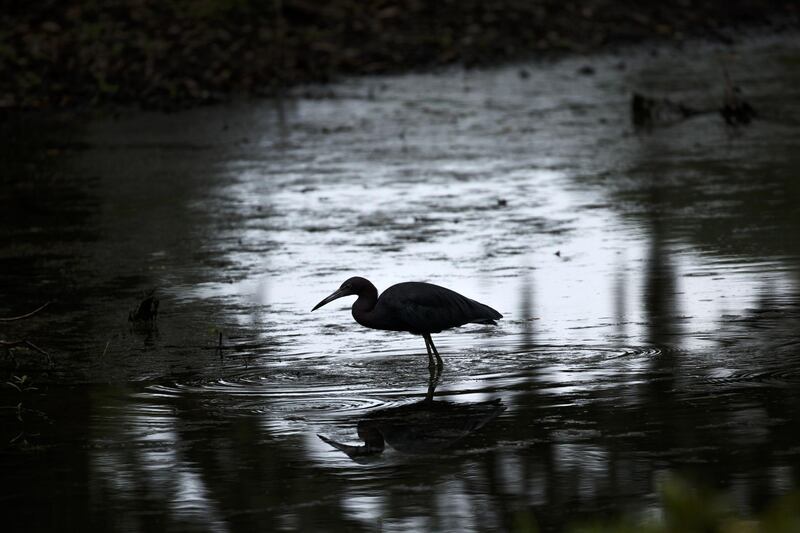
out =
column 338, row 294
column 354, row 452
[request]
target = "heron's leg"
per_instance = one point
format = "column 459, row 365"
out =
column 430, row 354
column 432, row 382
column 439, row 364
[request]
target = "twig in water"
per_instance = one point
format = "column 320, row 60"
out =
column 146, row 312
column 26, row 315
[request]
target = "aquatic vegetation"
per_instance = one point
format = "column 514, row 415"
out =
column 685, row 507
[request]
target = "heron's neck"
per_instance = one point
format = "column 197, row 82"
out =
column 364, row 305
column 372, row 437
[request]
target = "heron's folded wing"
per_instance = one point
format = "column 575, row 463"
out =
column 427, row 308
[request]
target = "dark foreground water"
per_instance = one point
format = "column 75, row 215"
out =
column 649, row 282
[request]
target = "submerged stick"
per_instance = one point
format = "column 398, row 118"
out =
column 27, row 315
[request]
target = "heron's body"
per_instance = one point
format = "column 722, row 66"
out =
column 419, row 308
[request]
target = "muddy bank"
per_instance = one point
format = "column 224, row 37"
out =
column 179, row 53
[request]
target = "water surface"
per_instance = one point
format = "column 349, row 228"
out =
column 649, row 282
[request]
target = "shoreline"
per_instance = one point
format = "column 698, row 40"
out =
column 144, row 55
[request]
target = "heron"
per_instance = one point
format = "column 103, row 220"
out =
column 416, row 307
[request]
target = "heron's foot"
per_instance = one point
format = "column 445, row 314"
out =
column 433, row 381
column 437, row 367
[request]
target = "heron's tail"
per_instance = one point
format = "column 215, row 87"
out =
column 485, row 314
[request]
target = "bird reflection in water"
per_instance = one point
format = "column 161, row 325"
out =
column 421, row 427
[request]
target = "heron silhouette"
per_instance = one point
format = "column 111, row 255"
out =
column 419, row 308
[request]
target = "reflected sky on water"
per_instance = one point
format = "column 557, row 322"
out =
column 648, row 282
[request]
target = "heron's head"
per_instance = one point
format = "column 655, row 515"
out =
column 352, row 286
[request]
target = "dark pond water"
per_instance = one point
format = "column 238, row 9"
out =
column 649, row 282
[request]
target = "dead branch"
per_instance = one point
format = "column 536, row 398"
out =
column 27, row 315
